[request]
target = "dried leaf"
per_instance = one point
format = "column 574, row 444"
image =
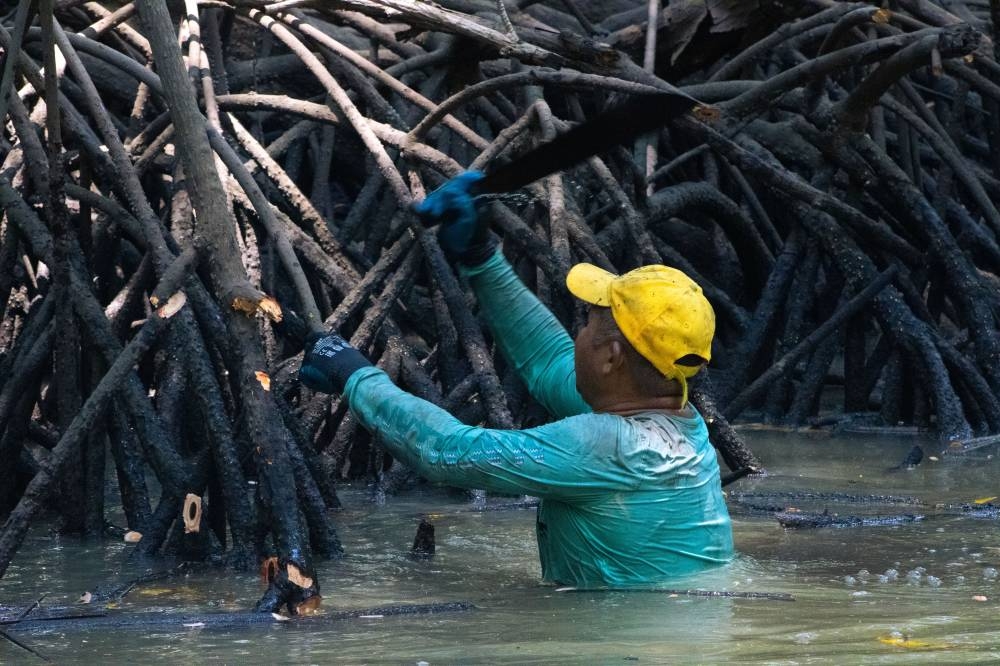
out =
column 264, row 379
column 678, row 24
column 984, row 500
column 296, row 576
column 729, row 15
column 133, row 537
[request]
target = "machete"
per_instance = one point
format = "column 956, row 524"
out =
column 620, row 124
column 642, row 113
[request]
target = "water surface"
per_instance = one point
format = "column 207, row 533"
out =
column 841, row 614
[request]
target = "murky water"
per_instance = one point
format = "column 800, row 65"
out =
column 944, row 564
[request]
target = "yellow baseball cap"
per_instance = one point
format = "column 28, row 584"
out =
column 661, row 312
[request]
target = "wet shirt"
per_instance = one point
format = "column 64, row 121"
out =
column 625, row 501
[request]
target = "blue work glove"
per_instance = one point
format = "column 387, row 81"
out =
column 328, row 362
column 463, row 236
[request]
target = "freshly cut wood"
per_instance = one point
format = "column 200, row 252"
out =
column 192, row 513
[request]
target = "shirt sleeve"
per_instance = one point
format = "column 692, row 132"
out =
column 567, row 459
column 529, row 336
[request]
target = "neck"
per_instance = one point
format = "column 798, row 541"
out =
column 631, row 406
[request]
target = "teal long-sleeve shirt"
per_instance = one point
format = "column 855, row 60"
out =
column 625, row 501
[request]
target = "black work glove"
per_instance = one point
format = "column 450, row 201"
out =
column 328, row 362
column 463, row 236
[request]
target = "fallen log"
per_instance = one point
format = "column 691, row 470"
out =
column 10, row 616
column 969, row 445
column 812, row 496
column 987, row 511
column 112, row 592
column 24, row 646
column 156, row 621
column 724, row 594
column 800, row 520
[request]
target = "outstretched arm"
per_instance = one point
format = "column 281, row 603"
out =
column 529, row 335
column 558, row 460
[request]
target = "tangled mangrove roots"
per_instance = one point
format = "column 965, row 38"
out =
column 188, row 187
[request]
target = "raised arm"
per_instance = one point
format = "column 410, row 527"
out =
column 529, row 335
column 557, row 460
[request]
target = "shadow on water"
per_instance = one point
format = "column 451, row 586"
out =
column 924, row 592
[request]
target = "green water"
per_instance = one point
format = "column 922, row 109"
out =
column 490, row 560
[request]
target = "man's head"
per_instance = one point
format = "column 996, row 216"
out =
column 648, row 332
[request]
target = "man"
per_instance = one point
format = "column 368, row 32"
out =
column 629, row 483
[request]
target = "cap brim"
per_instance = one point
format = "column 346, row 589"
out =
column 590, row 283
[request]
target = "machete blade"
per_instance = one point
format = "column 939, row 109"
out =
column 641, row 114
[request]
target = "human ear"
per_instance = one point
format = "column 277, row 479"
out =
column 614, row 357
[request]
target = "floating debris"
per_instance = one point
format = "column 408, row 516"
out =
column 901, row 641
